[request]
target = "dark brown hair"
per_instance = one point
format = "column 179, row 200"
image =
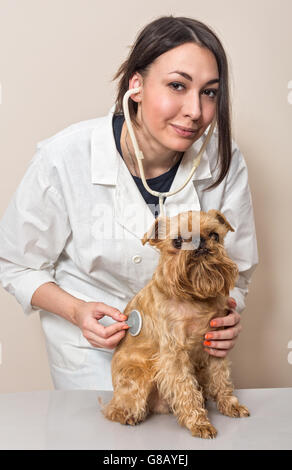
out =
column 158, row 37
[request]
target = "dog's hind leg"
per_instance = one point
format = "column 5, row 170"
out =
column 132, row 388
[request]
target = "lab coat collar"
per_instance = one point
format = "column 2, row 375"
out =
column 131, row 211
column 104, row 154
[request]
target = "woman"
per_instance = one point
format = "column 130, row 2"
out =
column 70, row 242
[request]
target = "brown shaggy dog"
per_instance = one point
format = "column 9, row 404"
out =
column 165, row 368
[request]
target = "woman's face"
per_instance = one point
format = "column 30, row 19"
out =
column 177, row 92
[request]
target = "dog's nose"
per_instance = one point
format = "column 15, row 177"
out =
column 202, row 243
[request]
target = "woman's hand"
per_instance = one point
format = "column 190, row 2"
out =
column 220, row 342
column 99, row 336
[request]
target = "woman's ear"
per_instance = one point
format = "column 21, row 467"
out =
column 136, row 81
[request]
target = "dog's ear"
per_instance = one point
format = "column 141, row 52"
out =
column 220, row 217
column 156, row 233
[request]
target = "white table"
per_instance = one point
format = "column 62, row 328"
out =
column 73, row 420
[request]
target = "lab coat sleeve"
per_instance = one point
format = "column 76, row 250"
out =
column 33, row 232
column 241, row 245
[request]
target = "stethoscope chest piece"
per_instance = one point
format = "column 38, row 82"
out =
column 135, row 322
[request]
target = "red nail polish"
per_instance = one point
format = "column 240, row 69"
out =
column 232, row 301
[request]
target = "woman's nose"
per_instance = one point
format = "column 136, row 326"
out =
column 192, row 107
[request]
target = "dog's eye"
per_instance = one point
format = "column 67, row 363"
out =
column 214, row 235
column 177, row 242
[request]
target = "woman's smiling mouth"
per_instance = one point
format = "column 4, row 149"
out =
column 183, row 132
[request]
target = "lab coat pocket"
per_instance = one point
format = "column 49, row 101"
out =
column 64, row 341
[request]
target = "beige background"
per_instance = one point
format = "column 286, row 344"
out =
column 57, row 58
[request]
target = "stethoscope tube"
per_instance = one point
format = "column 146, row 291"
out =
column 140, row 157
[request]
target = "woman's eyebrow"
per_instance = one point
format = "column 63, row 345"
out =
column 188, row 77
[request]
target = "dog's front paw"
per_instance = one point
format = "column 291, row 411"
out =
column 205, row 431
column 233, row 409
column 120, row 415
column 238, row 411
column 133, row 420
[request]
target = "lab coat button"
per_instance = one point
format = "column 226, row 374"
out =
column 137, row 259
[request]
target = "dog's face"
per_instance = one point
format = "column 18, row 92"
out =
column 193, row 258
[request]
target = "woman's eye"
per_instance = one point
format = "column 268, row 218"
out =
column 211, row 93
column 177, row 242
column 175, row 85
column 214, row 235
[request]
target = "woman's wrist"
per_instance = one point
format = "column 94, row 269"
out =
column 76, row 306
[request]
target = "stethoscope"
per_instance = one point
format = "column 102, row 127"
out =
column 134, row 318
column 140, row 157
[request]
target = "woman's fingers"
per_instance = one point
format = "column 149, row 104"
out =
column 227, row 344
column 105, row 336
column 218, row 343
column 228, row 333
column 106, row 343
column 101, row 309
column 94, row 332
column 217, row 352
column 231, row 302
column 230, row 320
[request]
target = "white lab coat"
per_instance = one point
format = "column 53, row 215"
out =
column 77, row 218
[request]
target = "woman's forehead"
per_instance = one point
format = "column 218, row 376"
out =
column 189, row 58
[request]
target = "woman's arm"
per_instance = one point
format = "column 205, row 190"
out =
column 51, row 297
column 85, row 315
column 33, row 233
column 241, row 246
column 34, row 230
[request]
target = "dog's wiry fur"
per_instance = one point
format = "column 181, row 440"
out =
column 165, row 369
